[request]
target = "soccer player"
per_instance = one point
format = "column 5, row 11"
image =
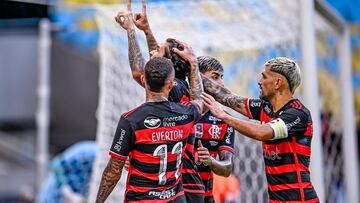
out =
column 217, row 136
column 285, row 128
column 155, row 144
column 213, row 136
column 193, row 186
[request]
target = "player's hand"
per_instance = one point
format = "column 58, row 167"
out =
column 161, row 51
column 127, row 164
column 125, row 19
column 204, row 155
column 213, row 105
column 140, row 19
column 187, row 54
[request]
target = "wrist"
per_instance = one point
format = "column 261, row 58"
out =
column 130, row 29
column 147, row 31
column 211, row 162
column 193, row 62
column 223, row 116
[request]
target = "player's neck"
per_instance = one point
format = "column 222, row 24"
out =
column 156, row 96
column 280, row 99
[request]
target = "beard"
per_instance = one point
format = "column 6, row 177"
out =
column 262, row 96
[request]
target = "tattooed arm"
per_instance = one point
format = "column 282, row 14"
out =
column 136, row 60
column 261, row 132
column 196, row 85
column 222, row 167
column 224, row 96
column 142, row 23
column 111, row 175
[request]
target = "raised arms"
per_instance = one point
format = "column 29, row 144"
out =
column 224, row 96
column 142, row 23
column 136, row 59
column 110, row 177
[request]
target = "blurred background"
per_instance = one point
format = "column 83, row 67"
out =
column 65, row 80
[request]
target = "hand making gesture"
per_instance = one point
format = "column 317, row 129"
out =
column 140, row 18
column 125, row 19
column 204, row 154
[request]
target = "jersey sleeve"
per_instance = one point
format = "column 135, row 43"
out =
column 227, row 143
column 295, row 121
column 253, row 108
column 192, row 110
column 180, row 91
column 124, row 140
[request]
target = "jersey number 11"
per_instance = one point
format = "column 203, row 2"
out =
column 161, row 151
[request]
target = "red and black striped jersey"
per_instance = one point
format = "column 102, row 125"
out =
column 287, row 160
column 180, row 91
column 190, row 177
column 216, row 136
column 155, row 134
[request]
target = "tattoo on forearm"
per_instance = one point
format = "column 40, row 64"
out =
column 151, row 41
column 110, row 177
column 223, row 95
column 136, row 60
column 223, row 167
column 234, row 101
column 196, row 86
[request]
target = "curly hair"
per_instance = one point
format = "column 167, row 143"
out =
column 182, row 67
column 158, row 72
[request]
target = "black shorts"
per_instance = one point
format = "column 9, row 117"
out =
column 209, row 199
column 180, row 199
column 194, row 197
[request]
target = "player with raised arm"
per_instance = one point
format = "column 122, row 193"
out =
column 285, row 128
column 217, row 136
column 137, row 61
column 179, row 93
column 157, row 149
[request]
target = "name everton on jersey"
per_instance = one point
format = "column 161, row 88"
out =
column 165, row 129
column 167, row 135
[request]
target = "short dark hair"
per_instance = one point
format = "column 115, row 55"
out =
column 157, row 72
column 209, row 64
column 182, row 67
